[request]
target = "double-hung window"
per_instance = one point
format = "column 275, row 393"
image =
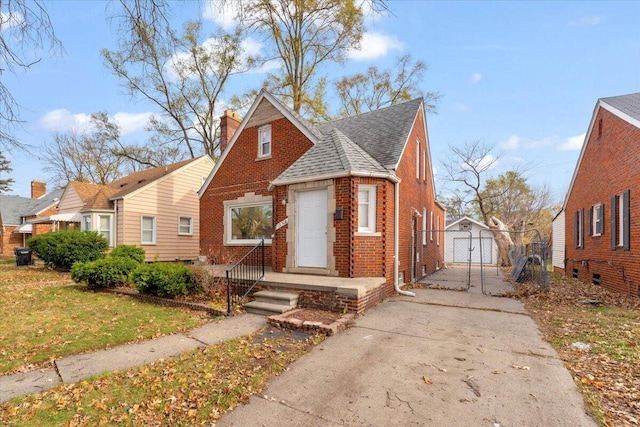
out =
column 620, row 231
column 104, row 227
column 367, row 209
column 264, row 141
column 597, row 220
column 578, row 228
column 148, row 230
column 185, row 226
column 418, row 158
column 86, row 222
column 424, row 226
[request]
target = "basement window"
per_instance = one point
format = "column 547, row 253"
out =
column 574, row 273
column 596, row 280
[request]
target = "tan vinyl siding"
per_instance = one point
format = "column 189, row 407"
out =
column 166, row 200
column 71, row 201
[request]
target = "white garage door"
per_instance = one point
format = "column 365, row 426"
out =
column 461, row 250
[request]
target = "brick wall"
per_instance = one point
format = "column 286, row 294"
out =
column 609, row 167
column 242, row 173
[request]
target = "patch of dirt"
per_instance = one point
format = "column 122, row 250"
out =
column 315, row 315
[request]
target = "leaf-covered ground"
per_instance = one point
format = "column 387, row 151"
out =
column 597, row 335
column 192, row 389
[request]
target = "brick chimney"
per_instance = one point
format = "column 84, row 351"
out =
column 229, row 123
column 38, row 189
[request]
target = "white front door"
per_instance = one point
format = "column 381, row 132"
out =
column 312, row 229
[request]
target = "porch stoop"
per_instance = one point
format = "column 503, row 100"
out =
column 272, row 302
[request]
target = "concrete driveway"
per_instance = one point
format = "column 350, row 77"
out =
column 443, row 358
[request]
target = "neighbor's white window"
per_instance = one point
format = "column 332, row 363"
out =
column 424, row 226
column 431, row 226
column 367, row 209
column 148, row 230
column 86, row 222
column 264, row 141
column 597, row 221
column 418, row 158
column 104, row 227
column 185, row 225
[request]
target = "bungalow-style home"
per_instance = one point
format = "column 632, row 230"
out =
column 351, row 198
column 156, row 209
column 16, row 211
column 465, row 238
column 602, row 231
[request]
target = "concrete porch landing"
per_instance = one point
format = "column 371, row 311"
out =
column 349, row 287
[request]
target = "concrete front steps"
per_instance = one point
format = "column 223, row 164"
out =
column 272, row 302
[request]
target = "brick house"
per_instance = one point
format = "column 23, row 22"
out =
column 341, row 199
column 602, row 231
column 17, row 211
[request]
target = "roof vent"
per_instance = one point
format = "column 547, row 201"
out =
column 141, row 181
column 123, row 184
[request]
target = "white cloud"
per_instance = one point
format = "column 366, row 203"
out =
column 485, row 163
column 585, row 21
column 132, row 122
column 10, row 20
column 375, row 45
column 253, row 47
column 515, row 142
column 225, row 16
column 476, row 77
column 572, row 143
column 459, row 107
column 62, row 120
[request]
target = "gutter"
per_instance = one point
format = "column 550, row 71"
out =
column 396, row 243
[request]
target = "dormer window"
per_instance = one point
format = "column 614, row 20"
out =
column 264, row 141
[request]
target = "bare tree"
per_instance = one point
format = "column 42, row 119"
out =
column 26, row 31
column 305, row 35
column 376, row 89
column 181, row 75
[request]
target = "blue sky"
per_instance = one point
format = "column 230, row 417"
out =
column 522, row 76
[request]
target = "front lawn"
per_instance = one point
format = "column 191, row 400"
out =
column 45, row 316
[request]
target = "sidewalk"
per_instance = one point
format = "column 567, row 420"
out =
column 72, row 369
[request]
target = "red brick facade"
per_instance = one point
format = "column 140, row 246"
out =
column 350, row 254
column 608, row 168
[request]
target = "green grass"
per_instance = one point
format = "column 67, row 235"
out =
column 194, row 388
column 45, row 317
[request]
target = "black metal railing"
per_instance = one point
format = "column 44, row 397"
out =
column 243, row 276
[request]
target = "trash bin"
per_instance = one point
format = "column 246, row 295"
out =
column 23, row 256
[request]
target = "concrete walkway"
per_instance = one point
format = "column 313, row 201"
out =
column 75, row 368
column 442, row 358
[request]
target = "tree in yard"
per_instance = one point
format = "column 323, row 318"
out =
column 25, row 32
column 304, row 35
column 5, row 166
column 377, row 89
column 492, row 198
column 183, row 76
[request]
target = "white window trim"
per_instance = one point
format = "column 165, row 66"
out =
column 261, row 131
column 371, row 208
column 620, row 220
column 188, row 233
column 110, row 230
column 431, row 226
column 595, row 220
column 85, row 222
column 242, row 202
column 424, row 165
column 580, row 229
column 418, row 158
column 424, row 226
column 438, row 232
column 154, row 230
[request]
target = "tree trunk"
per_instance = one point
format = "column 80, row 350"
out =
column 503, row 239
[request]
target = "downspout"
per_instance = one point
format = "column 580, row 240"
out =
column 396, row 243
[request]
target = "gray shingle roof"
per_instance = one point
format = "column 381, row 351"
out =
column 45, row 202
column 628, row 104
column 381, row 133
column 12, row 208
column 335, row 154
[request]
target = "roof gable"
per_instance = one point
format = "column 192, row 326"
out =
column 13, row 208
column 469, row 219
column 265, row 109
column 625, row 107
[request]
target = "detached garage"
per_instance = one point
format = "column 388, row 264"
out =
column 464, row 237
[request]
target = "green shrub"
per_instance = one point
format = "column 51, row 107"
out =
column 104, row 273
column 163, row 279
column 63, row 248
column 128, row 251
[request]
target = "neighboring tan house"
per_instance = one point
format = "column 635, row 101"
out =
column 155, row 209
column 346, row 198
column 558, row 239
column 602, row 206
column 15, row 211
column 462, row 242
